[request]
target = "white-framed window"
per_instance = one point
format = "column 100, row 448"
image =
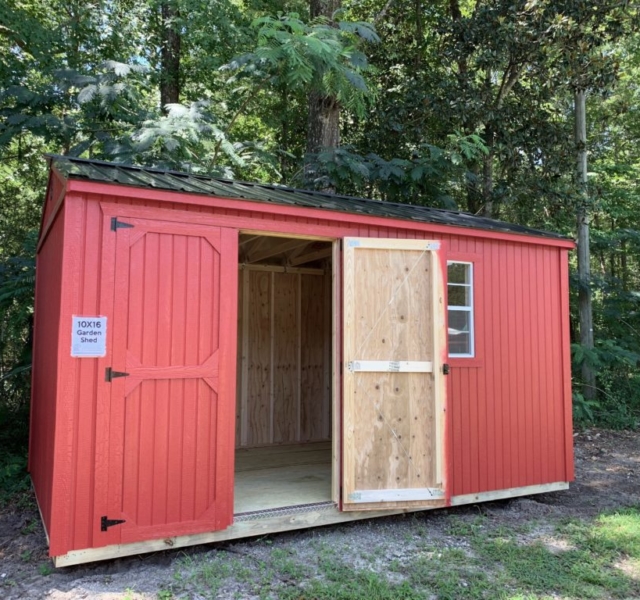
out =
column 460, row 308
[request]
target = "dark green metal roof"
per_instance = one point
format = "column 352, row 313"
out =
column 93, row 170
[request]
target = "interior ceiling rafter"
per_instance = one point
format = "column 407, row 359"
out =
column 257, row 249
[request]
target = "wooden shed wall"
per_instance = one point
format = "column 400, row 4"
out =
column 44, row 391
column 509, row 408
column 511, row 419
column 284, row 358
column 80, row 380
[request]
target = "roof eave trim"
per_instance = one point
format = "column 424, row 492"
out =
column 126, row 191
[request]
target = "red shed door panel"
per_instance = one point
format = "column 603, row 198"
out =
column 170, row 464
column 394, row 343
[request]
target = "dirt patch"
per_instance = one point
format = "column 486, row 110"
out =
column 607, row 477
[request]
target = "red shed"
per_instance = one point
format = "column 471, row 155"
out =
column 216, row 359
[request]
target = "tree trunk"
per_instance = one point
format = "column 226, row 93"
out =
column 323, row 129
column 488, row 208
column 584, row 267
column 169, row 55
column 284, row 133
column 419, row 34
column 623, row 266
column 324, row 117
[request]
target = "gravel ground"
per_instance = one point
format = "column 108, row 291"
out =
column 607, row 477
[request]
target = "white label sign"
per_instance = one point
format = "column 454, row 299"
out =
column 88, row 336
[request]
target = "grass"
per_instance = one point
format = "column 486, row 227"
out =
column 475, row 560
column 207, row 575
column 450, row 574
column 45, row 569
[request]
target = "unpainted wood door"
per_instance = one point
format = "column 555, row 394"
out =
column 171, row 416
column 393, row 388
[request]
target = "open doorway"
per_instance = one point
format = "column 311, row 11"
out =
column 283, row 455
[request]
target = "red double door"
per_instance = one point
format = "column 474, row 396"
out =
column 166, row 407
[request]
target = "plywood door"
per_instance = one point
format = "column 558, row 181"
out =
column 171, row 417
column 393, row 396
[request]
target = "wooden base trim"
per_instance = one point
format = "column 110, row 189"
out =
column 509, row 493
column 241, row 529
column 278, row 523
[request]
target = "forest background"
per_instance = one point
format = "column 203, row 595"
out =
column 460, row 104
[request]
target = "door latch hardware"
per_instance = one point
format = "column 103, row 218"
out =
column 105, row 523
column 446, row 369
column 110, row 374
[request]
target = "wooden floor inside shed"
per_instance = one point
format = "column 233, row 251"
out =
column 282, row 476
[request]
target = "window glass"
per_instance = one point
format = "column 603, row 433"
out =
column 460, row 308
column 459, row 272
column 459, row 295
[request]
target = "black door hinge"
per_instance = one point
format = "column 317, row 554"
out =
column 446, row 369
column 115, row 224
column 110, row 374
column 105, row 523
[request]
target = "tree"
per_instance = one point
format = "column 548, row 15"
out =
column 323, row 129
column 170, row 49
column 499, row 69
column 320, row 58
column 453, row 103
column 613, row 206
column 584, row 255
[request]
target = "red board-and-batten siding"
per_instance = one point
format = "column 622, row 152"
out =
column 509, row 421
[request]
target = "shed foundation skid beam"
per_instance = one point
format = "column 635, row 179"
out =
column 300, row 519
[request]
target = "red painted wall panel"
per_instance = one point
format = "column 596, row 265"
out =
column 45, row 379
column 509, row 406
column 509, row 412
